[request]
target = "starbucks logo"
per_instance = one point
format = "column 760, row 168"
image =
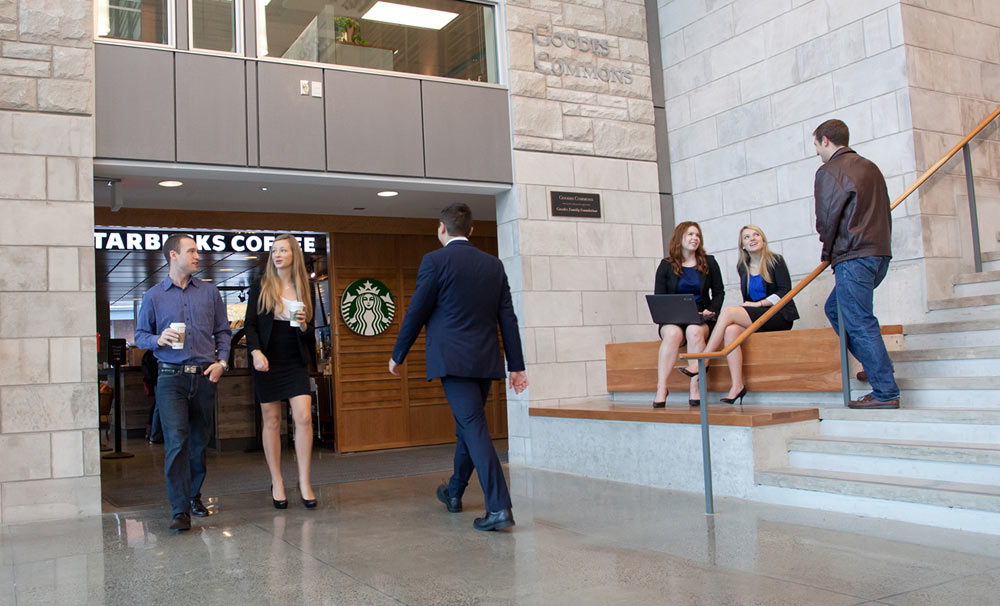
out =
column 367, row 307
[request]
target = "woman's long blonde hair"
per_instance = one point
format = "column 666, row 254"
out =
column 270, row 283
column 767, row 258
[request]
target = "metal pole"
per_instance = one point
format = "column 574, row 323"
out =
column 844, row 370
column 117, row 427
column 706, row 449
column 977, row 254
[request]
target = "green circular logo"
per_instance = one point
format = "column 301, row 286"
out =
column 367, row 307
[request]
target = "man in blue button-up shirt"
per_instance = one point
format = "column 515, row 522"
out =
column 185, row 389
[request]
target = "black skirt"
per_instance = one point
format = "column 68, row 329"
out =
column 774, row 323
column 287, row 375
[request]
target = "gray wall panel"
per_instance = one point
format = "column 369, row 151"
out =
column 466, row 132
column 253, row 157
column 373, row 124
column 662, row 150
column 134, row 99
column 290, row 125
column 211, row 110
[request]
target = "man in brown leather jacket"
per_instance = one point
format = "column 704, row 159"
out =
column 855, row 227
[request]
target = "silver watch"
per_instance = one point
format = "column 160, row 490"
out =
column 223, row 364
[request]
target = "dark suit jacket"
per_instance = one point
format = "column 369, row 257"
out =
column 461, row 295
column 666, row 284
column 781, row 285
column 258, row 330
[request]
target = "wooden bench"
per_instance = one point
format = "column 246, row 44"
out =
column 733, row 416
column 793, row 360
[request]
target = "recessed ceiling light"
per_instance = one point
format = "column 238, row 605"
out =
column 387, row 194
column 263, row 189
column 170, row 183
column 228, row 268
column 206, row 279
column 413, row 16
column 250, row 257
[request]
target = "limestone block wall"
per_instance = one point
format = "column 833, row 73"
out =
column 746, row 83
column 582, row 115
column 953, row 66
column 48, row 393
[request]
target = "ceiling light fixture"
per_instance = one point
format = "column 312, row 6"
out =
column 250, row 257
column 263, row 189
column 412, row 16
column 225, row 269
column 387, row 194
column 170, row 183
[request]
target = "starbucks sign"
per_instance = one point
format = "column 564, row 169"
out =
column 367, row 307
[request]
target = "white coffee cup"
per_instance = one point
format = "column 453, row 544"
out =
column 293, row 308
column 179, row 328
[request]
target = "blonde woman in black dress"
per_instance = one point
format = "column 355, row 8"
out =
column 281, row 355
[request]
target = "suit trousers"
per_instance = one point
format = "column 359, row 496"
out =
column 187, row 408
column 474, row 449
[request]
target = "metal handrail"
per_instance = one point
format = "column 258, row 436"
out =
column 703, row 357
column 822, row 266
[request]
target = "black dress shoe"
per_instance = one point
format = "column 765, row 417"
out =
column 309, row 503
column 181, row 521
column 282, row 504
column 198, row 508
column 494, row 520
column 454, row 505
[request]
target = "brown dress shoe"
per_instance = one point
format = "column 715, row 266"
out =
column 869, row 401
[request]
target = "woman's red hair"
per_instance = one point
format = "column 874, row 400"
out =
column 676, row 251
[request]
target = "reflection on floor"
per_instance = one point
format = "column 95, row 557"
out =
column 138, row 481
column 577, row 541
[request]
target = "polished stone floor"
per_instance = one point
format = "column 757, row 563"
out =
column 577, row 541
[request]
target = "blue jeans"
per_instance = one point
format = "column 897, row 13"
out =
column 856, row 281
column 186, row 403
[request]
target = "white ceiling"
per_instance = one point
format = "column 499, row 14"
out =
column 239, row 190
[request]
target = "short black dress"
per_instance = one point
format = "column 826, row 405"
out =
column 287, row 375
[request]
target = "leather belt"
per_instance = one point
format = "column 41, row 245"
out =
column 188, row 369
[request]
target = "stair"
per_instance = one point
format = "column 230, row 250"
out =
column 930, row 466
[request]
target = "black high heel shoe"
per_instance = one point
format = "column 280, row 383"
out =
column 688, row 373
column 661, row 404
column 282, row 504
column 739, row 397
column 309, row 503
column 694, row 402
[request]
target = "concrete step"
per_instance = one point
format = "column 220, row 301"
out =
column 971, row 284
column 984, row 301
column 938, row 493
column 968, row 333
column 954, row 462
column 962, row 425
column 946, row 353
column 947, row 362
column 991, row 261
column 961, row 313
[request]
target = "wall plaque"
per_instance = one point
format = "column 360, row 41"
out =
column 576, row 204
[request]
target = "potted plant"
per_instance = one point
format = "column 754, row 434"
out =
column 348, row 30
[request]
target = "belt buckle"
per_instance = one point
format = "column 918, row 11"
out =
column 191, row 369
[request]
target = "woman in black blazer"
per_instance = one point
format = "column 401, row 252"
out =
column 687, row 270
column 281, row 356
column 764, row 280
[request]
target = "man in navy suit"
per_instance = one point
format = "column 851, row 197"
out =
column 461, row 295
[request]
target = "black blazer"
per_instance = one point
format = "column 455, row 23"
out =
column 258, row 330
column 461, row 295
column 781, row 285
column 666, row 284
